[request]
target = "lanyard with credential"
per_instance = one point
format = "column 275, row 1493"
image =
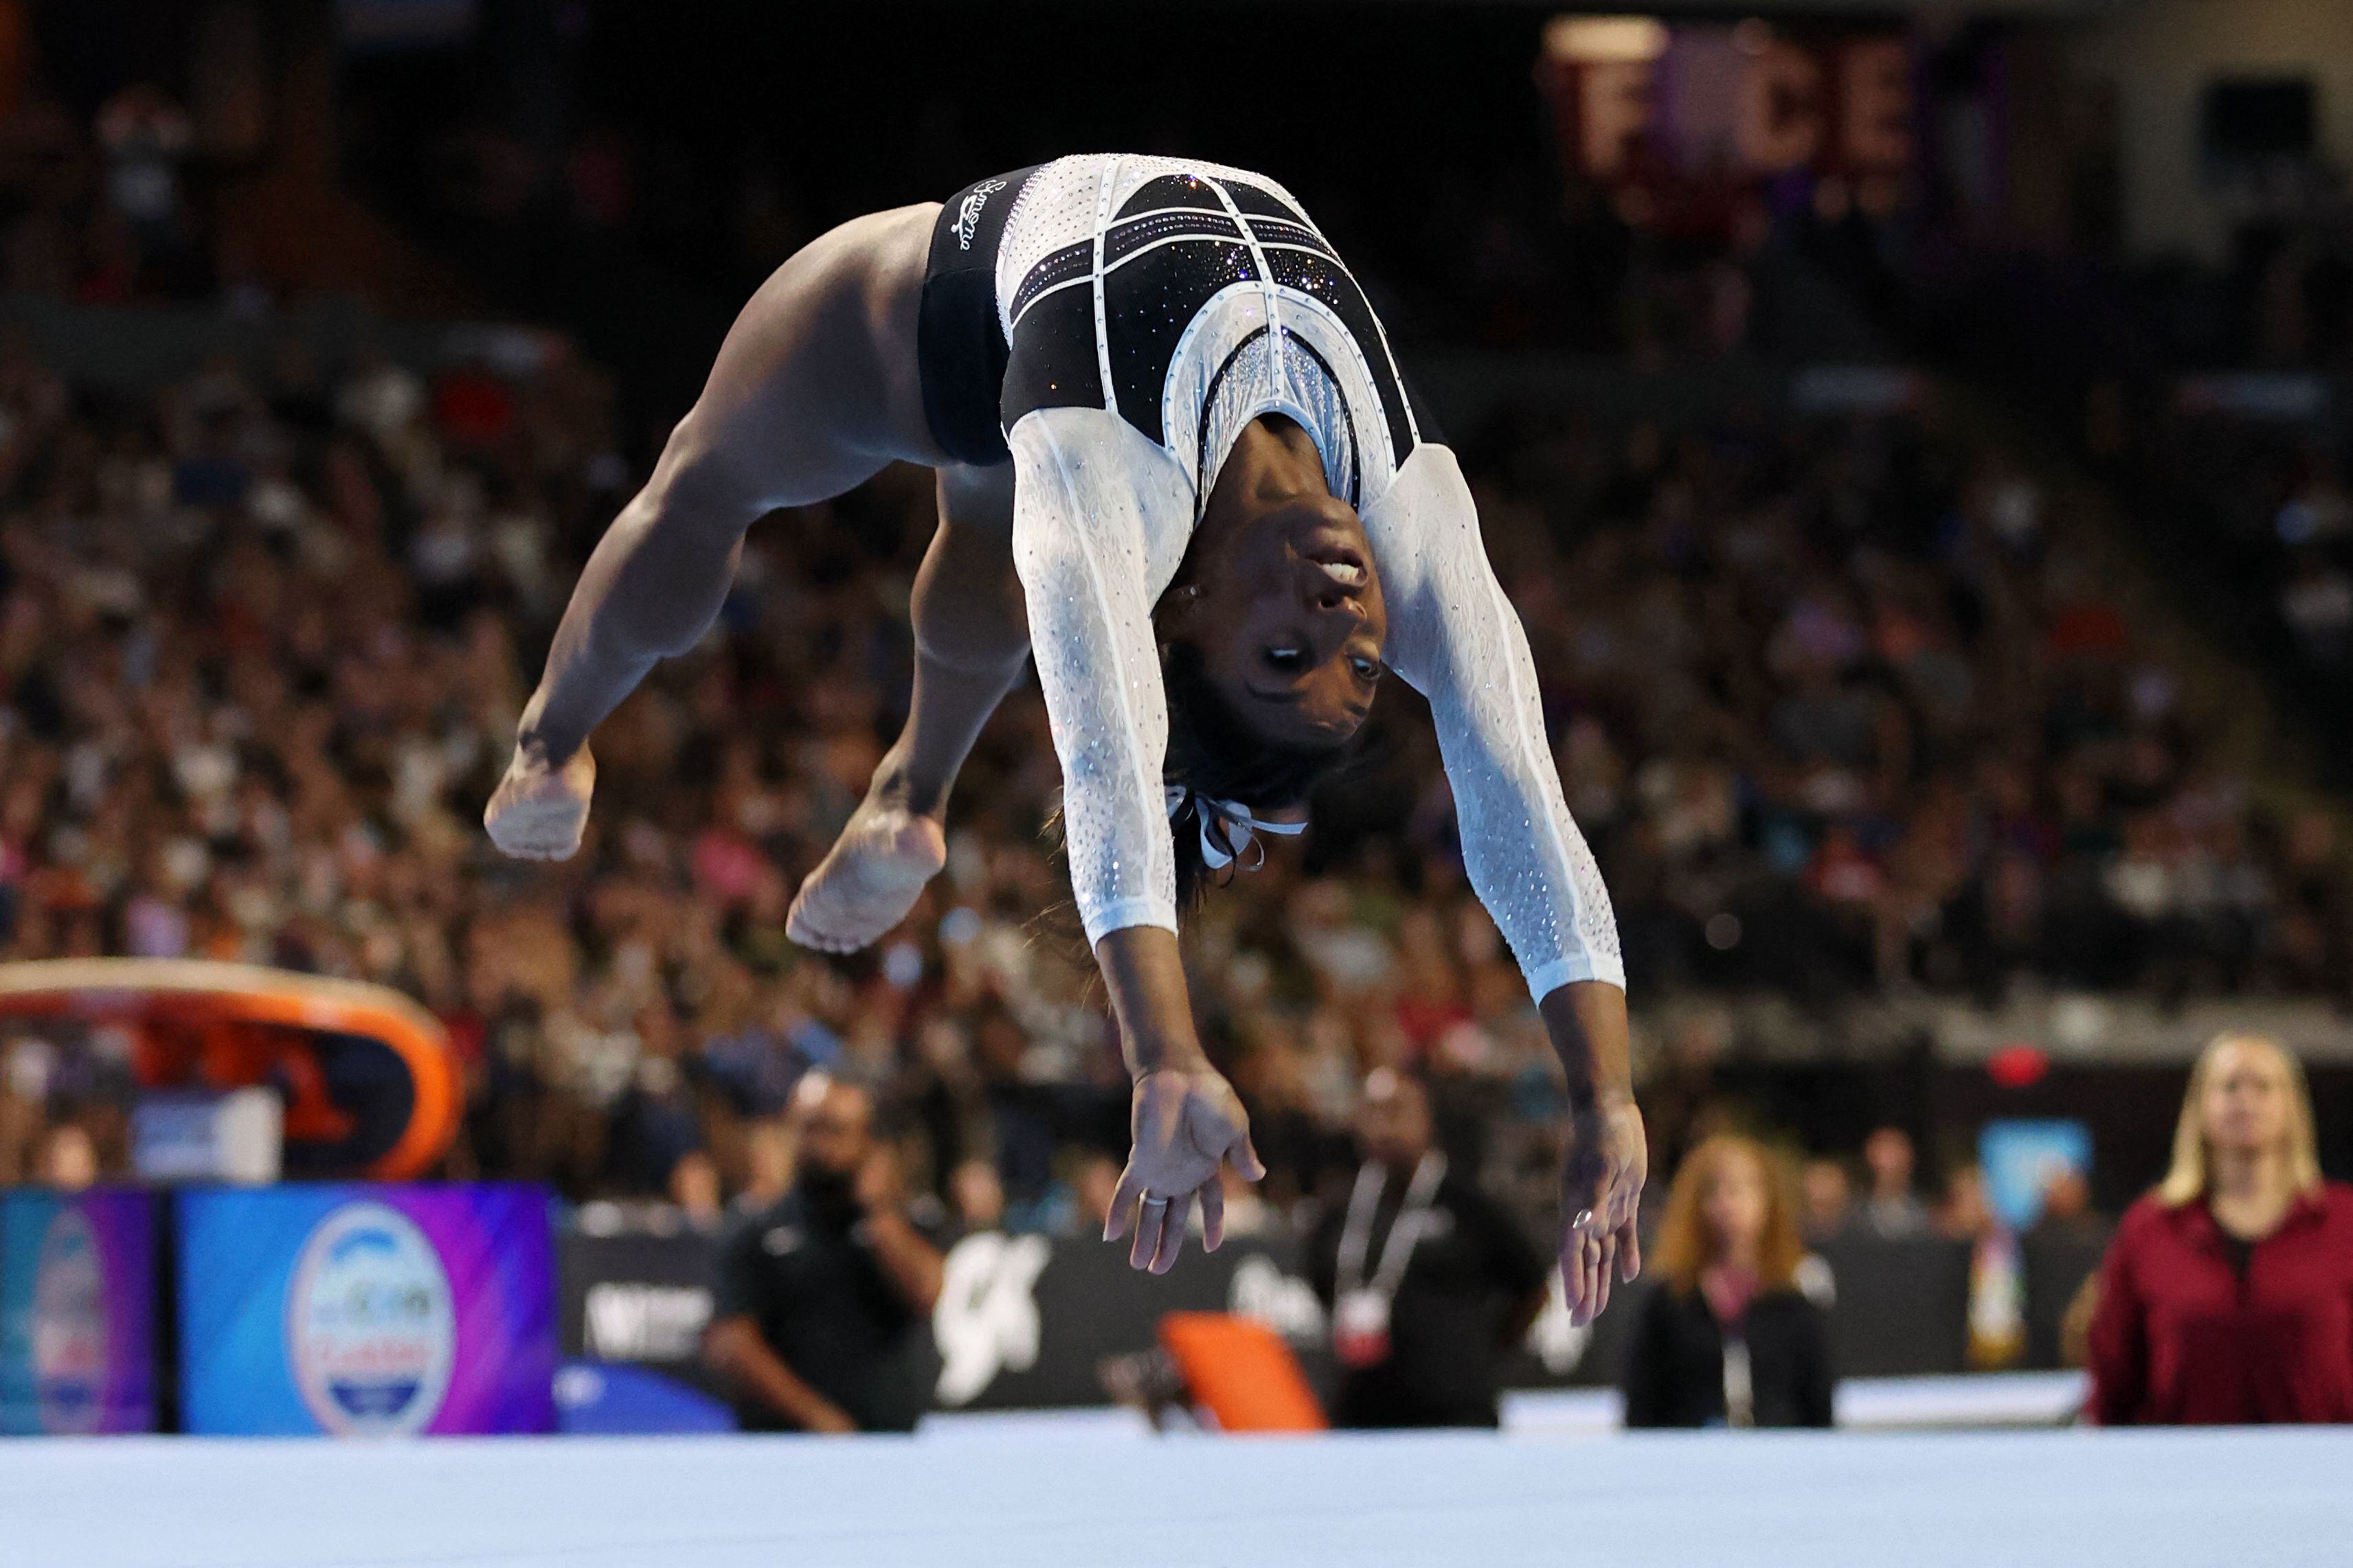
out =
column 1397, row 1248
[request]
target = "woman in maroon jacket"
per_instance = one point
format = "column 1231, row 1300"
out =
column 2227, row 1295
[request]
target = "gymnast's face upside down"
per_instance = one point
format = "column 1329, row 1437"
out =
column 1286, row 618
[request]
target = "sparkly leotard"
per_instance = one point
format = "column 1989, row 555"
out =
column 1151, row 309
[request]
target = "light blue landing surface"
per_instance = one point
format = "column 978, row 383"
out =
column 2072, row 1499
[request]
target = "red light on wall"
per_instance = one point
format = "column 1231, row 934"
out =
column 2017, row 1067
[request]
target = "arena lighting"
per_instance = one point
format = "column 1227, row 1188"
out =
column 1605, row 41
column 2018, row 1065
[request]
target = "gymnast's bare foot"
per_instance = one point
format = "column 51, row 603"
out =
column 869, row 879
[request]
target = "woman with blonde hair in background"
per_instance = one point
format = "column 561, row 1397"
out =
column 1727, row 1339
column 2227, row 1296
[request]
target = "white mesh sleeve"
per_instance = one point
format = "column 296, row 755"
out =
column 1100, row 515
column 1456, row 638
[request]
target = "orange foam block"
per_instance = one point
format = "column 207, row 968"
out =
column 1241, row 1372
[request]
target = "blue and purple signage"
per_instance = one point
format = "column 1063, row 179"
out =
column 357, row 1310
column 76, row 1312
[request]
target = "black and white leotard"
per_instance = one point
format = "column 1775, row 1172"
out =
column 1145, row 310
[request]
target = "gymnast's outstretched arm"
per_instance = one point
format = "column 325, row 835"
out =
column 1100, row 520
column 1455, row 637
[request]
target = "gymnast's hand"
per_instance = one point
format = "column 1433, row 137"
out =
column 1601, row 1176
column 539, row 811
column 1185, row 1122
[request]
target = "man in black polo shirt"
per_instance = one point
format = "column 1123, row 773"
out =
column 1429, row 1281
column 823, row 1319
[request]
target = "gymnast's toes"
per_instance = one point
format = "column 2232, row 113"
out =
column 868, row 880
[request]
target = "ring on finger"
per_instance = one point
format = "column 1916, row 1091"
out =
column 1150, row 1200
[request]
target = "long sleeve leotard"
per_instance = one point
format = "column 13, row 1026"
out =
column 1154, row 307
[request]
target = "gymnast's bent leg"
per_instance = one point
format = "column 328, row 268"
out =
column 972, row 639
column 816, row 388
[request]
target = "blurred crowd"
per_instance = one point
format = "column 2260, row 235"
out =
column 1843, row 710
column 2261, row 485
column 1843, row 706
column 110, row 209
column 2209, row 400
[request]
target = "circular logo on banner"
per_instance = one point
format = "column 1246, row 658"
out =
column 370, row 1324
column 69, row 1326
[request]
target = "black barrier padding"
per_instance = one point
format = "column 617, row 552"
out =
column 1903, row 1307
column 2055, row 1268
column 1601, row 1363
column 1092, row 1306
column 1902, row 1310
column 634, row 1299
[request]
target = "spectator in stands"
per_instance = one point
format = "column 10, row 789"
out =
column 2227, row 1296
column 1965, row 1213
column 1429, row 1281
column 2059, row 1262
column 978, row 1196
column 144, row 135
column 69, row 1158
column 1891, row 1209
column 1727, row 1338
column 1829, row 1194
column 1093, row 1179
column 1247, row 1214
column 2067, row 1213
column 769, row 1158
column 695, row 1190
column 822, row 1322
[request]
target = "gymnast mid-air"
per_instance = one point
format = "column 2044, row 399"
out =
column 1178, row 463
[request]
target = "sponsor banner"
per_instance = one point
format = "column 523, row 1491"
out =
column 637, row 1298
column 76, row 1312
column 358, row 1311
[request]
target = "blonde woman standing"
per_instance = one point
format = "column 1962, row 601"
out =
column 2227, row 1296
